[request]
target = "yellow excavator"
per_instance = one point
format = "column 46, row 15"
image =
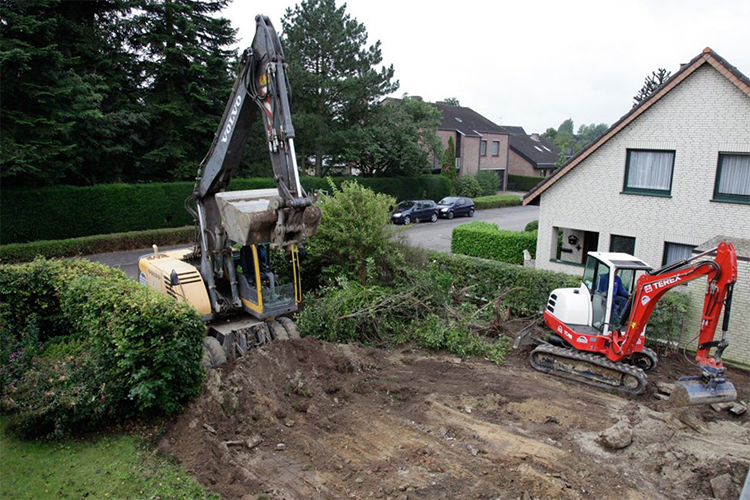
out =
column 234, row 273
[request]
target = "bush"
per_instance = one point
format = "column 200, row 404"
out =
column 523, row 182
column 488, row 279
column 488, row 182
column 532, row 226
column 121, row 348
column 354, row 237
column 496, row 201
column 468, row 186
column 88, row 245
column 70, row 212
column 667, row 322
column 483, row 239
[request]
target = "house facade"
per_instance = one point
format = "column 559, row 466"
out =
column 664, row 181
column 532, row 155
column 480, row 143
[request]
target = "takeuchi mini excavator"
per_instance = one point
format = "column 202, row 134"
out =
column 232, row 274
column 599, row 329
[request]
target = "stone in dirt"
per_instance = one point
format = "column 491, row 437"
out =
column 738, row 408
column 724, row 488
column 665, row 388
column 618, row 436
column 253, row 441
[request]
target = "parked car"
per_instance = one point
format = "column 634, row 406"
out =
column 453, row 206
column 409, row 211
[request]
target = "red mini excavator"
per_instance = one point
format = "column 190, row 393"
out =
column 599, row 330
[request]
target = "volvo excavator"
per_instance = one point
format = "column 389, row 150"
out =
column 595, row 340
column 231, row 275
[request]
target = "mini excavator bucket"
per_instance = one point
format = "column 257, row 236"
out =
column 708, row 388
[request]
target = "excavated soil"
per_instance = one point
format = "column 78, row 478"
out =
column 305, row 419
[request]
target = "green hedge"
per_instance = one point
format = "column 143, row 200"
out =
column 81, row 345
column 496, row 201
column 69, row 212
column 484, row 239
column 88, row 245
column 523, row 182
column 488, row 279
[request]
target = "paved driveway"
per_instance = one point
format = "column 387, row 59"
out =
column 437, row 236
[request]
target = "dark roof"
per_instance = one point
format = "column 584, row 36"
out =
column 741, row 245
column 469, row 122
column 708, row 56
column 536, row 149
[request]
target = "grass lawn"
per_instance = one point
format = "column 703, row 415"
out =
column 113, row 467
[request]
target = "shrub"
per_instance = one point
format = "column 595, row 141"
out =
column 124, row 349
column 488, row 279
column 70, row 212
column 488, row 182
column 496, row 201
column 468, row 186
column 482, row 239
column 87, row 245
column 523, row 182
column 666, row 324
column 354, row 237
column 532, row 226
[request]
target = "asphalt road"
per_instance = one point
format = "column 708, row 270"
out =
column 435, row 236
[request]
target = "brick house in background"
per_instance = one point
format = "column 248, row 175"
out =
column 532, row 155
column 480, row 143
column 663, row 183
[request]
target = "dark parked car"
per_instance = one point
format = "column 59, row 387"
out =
column 453, row 206
column 409, row 211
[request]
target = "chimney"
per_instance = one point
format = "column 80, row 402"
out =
column 535, row 136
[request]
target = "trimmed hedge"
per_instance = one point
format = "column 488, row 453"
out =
column 89, row 245
column 488, row 279
column 69, row 212
column 523, row 182
column 96, row 347
column 484, row 239
column 496, row 201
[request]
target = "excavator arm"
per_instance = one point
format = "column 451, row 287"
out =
column 721, row 273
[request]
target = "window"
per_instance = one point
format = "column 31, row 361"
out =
column 649, row 172
column 624, row 244
column 495, row 148
column 733, row 178
column 483, row 148
column 674, row 252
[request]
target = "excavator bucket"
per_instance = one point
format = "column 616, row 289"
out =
column 691, row 391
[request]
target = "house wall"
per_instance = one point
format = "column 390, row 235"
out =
column 518, row 165
column 499, row 162
column 704, row 115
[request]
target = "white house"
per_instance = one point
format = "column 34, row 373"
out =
column 670, row 176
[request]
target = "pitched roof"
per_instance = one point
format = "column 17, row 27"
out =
column 470, row 123
column 708, row 56
column 536, row 149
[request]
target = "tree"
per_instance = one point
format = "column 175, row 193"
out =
column 398, row 138
column 451, row 101
column 587, row 133
column 69, row 100
column 334, row 77
column 188, row 76
column 651, row 83
column 449, row 163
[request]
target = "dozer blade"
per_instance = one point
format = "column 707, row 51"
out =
column 691, row 391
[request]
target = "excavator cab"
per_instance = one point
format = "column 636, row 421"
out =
column 266, row 291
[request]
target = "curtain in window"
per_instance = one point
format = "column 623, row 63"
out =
column 677, row 252
column 735, row 175
column 650, row 170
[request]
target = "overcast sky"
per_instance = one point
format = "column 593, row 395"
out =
column 535, row 63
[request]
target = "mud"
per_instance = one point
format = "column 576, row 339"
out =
column 305, row 419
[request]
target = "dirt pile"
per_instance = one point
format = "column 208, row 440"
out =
column 306, row 419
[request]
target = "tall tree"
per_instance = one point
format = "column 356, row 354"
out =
column 334, row 76
column 398, row 138
column 187, row 68
column 449, row 161
column 68, row 99
column 452, row 101
column 651, row 83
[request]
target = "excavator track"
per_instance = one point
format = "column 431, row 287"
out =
column 590, row 369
